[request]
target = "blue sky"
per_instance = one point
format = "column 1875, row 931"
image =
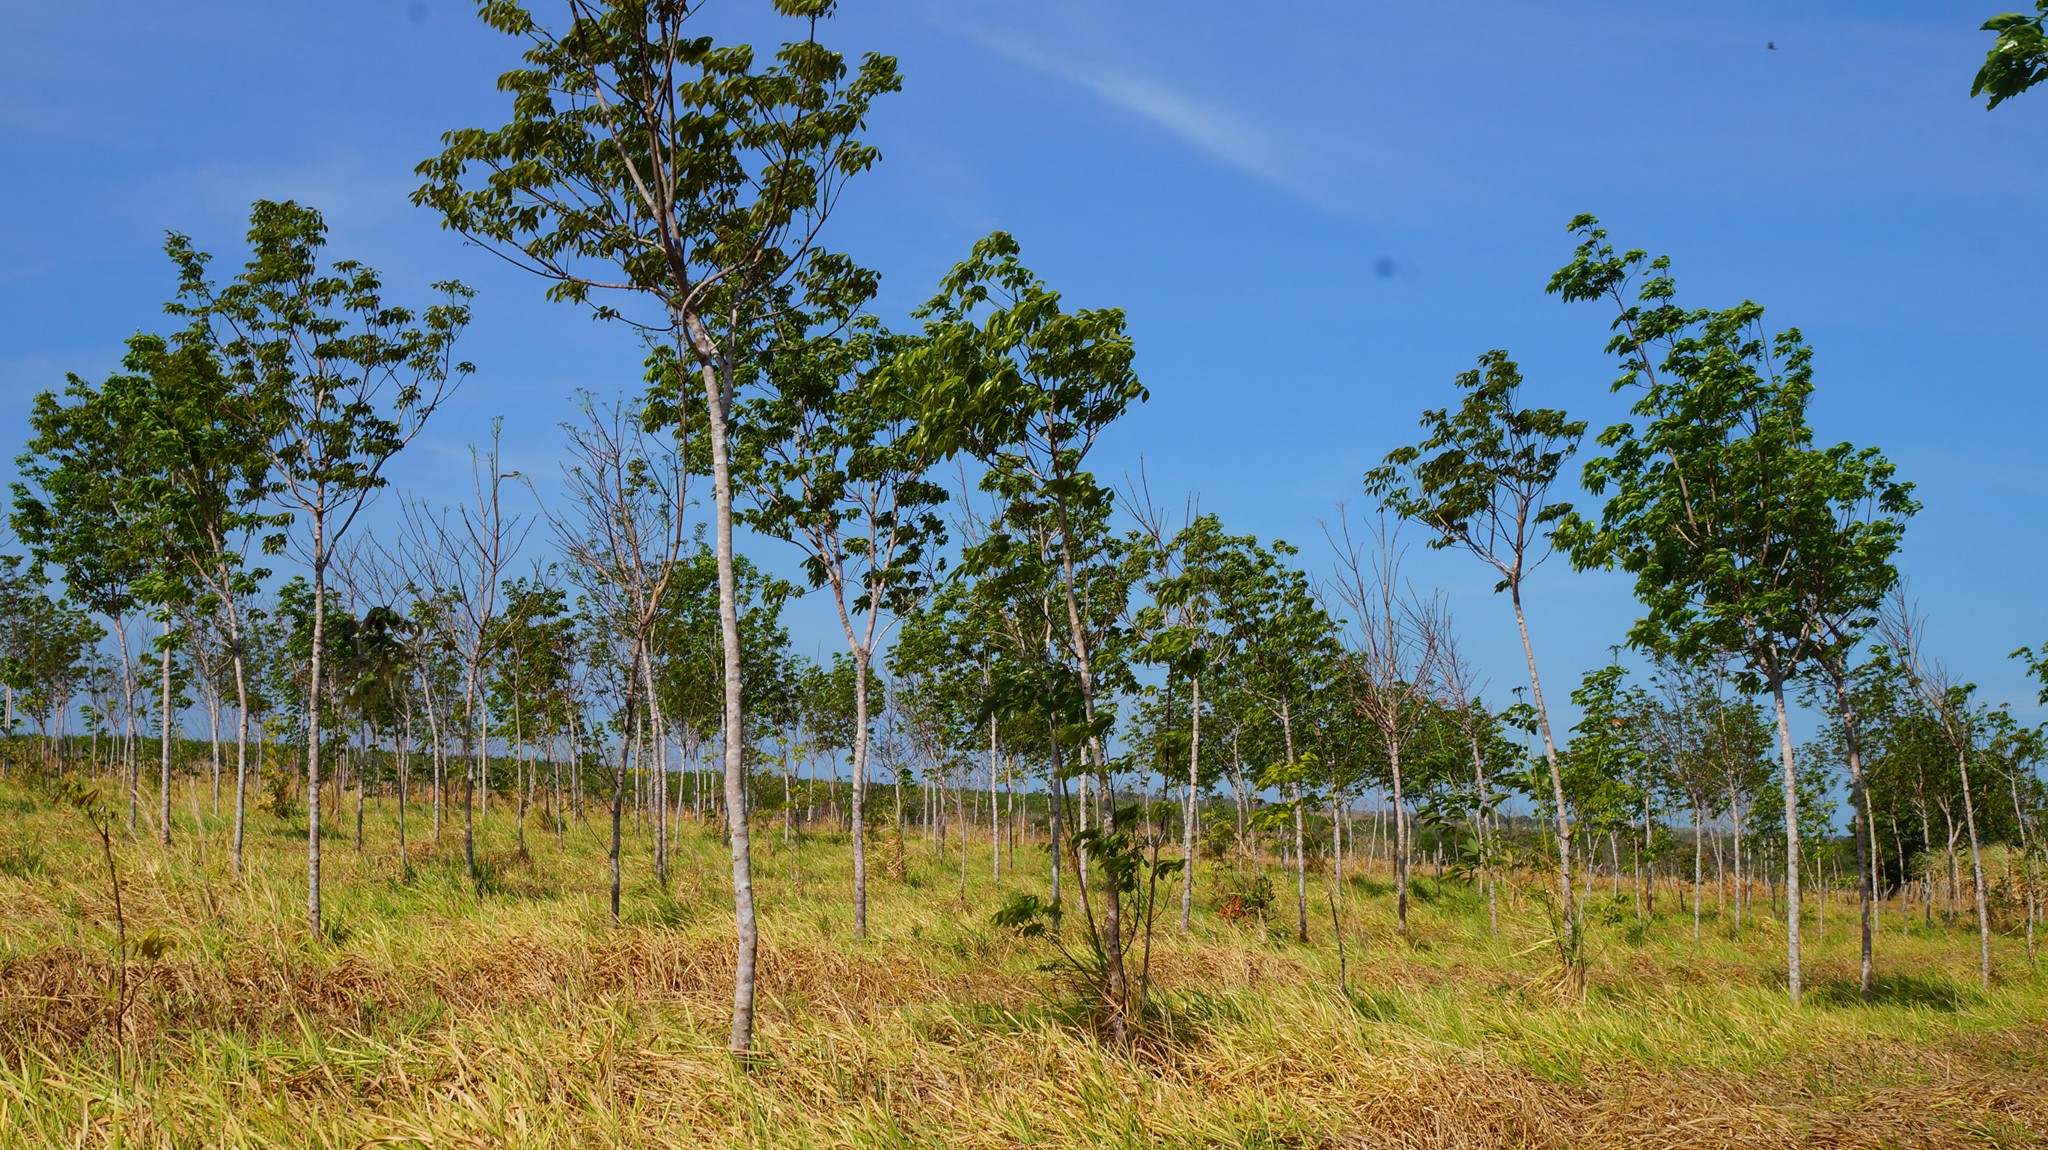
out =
column 1315, row 214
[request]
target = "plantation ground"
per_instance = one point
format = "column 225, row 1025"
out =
column 435, row 1017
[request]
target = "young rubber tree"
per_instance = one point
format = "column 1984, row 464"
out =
column 1395, row 652
column 1742, row 535
column 1180, row 635
column 622, row 530
column 1947, row 702
column 986, row 644
column 2017, row 752
column 207, row 477
column 1480, row 480
column 534, row 633
column 21, row 585
column 1845, row 621
column 468, row 553
column 647, row 163
column 1283, row 647
column 46, row 648
column 838, row 471
column 78, row 510
column 1028, row 388
column 335, row 382
column 156, row 460
column 1483, row 745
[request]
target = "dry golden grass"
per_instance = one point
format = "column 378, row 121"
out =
column 438, row 1016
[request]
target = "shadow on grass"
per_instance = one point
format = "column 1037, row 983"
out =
column 1173, row 1023
column 1927, row 992
column 1374, row 1004
column 1369, row 886
column 653, row 905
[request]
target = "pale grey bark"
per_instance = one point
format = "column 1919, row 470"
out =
column 995, row 837
column 1563, row 818
column 2019, row 817
column 1791, row 785
column 1976, row 873
column 1187, row 830
column 241, row 744
column 1866, row 892
column 718, row 397
column 313, row 672
column 168, row 717
column 1946, row 700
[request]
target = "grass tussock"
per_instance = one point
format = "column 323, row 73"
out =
column 444, row 1011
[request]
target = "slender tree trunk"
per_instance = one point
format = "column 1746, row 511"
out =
column 1480, row 831
column 1905, row 880
column 439, row 744
column 1400, row 836
column 789, row 813
column 478, row 772
column 861, row 657
column 241, row 750
column 2019, row 818
column 1300, row 836
column 1237, row 789
column 519, row 767
column 1590, row 867
column 1927, row 879
column 717, row 393
column 1866, row 893
column 655, row 745
column 1720, row 880
column 1699, row 831
column 362, row 760
column 404, row 768
column 1564, row 834
column 1059, row 790
column 1187, row 823
column 657, row 754
column 129, row 690
column 1336, row 892
column 1976, row 874
column 213, row 739
column 1614, row 862
column 164, row 787
column 1741, row 889
column 313, row 726
column 1791, row 782
column 1112, row 914
column 995, row 838
column 619, row 792
column 1955, row 879
column 1646, row 865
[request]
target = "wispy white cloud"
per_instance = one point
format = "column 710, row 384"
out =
column 1206, row 124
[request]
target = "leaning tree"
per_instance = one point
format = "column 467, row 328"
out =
column 1743, row 536
column 1008, row 375
column 335, row 382
column 1480, row 480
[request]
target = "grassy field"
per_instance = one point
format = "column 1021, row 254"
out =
column 436, row 1015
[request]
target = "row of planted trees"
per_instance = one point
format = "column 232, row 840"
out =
column 1010, row 621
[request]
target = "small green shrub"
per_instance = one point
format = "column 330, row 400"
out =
column 1243, row 900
